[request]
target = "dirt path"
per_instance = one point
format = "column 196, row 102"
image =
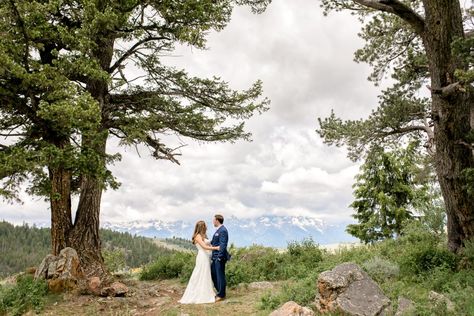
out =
column 157, row 298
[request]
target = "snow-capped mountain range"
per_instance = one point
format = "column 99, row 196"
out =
column 273, row 231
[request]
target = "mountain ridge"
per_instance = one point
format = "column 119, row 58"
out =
column 272, row 231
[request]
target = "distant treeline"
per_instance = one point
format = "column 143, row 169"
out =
column 25, row 246
column 181, row 242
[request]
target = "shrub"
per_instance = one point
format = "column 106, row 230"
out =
column 25, row 295
column 170, row 266
column 425, row 258
column 114, row 260
column 306, row 252
column 302, row 291
column 420, row 251
column 254, row 263
column 468, row 254
column 381, row 269
column 416, row 233
column 463, row 297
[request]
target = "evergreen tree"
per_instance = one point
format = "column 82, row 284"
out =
column 386, row 193
column 421, row 43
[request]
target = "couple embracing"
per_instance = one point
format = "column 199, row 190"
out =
column 209, row 271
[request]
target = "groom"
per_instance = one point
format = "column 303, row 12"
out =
column 219, row 257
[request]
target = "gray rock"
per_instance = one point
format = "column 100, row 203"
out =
column 62, row 272
column 405, row 307
column 42, row 271
column 348, row 289
column 115, row 289
column 438, row 298
column 292, row 309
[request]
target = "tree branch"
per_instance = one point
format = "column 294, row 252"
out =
column 407, row 129
column 461, row 142
column 132, row 50
column 398, row 8
column 469, row 34
column 24, row 32
column 11, row 134
column 161, row 151
column 448, row 90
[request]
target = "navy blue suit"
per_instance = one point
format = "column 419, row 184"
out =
column 218, row 260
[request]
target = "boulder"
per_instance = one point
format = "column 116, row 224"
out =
column 11, row 280
column 42, row 271
column 438, row 298
column 348, row 289
column 292, row 309
column 59, row 285
column 115, row 289
column 30, row 270
column 62, row 272
column 405, row 307
column 93, row 285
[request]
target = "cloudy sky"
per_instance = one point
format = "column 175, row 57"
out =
column 305, row 61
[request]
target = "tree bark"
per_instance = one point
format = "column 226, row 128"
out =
column 84, row 237
column 451, row 116
column 60, row 202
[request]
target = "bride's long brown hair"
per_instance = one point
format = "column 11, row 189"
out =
column 199, row 229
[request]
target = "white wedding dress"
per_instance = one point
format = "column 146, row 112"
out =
column 200, row 288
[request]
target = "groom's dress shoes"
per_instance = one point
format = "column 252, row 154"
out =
column 218, row 299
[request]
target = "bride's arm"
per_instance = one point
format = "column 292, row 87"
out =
column 201, row 242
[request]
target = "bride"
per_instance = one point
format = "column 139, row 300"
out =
column 200, row 288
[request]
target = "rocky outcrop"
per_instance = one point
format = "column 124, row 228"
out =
column 62, row 272
column 440, row 299
column 115, row 289
column 349, row 290
column 292, row 309
column 405, row 307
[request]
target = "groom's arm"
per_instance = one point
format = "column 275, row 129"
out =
column 223, row 239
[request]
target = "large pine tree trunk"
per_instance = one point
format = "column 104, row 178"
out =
column 60, row 202
column 85, row 234
column 451, row 116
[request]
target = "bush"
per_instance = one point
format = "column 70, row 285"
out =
column 176, row 265
column 25, row 295
column 463, row 297
column 381, row 269
column 357, row 254
column 254, row 263
column 114, row 260
column 420, row 251
column 302, row 291
column 305, row 253
column 468, row 254
column 424, row 259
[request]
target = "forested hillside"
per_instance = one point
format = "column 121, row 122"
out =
column 181, row 242
column 25, row 246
